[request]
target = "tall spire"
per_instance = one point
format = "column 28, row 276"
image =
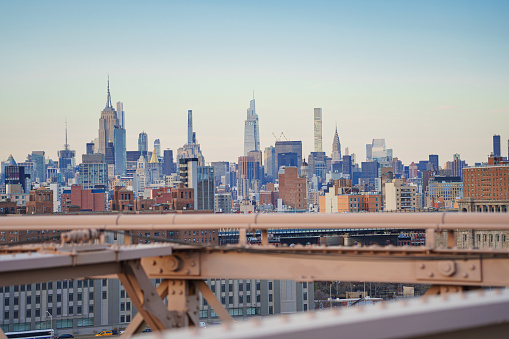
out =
column 66, row 146
column 108, row 98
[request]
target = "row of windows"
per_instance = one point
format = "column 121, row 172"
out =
column 37, row 312
column 48, row 286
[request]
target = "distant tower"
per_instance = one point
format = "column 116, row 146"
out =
column 107, row 123
column 190, row 136
column 121, row 114
column 318, row 129
column 251, row 130
column 157, row 148
column 66, row 159
column 496, row 145
column 336, row 148
column 143, row 143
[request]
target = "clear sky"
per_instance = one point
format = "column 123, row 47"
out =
column 428, row 76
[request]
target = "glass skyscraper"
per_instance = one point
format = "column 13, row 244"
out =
column 251, row 130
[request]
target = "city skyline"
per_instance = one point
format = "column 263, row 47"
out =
column 438, row 70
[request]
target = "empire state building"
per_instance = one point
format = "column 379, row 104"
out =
column 107, row 123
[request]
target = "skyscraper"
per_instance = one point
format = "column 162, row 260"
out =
column 251, row 130
column 93, row 171
column 66, row 159
column 157, row 148
column 270, row 163
column 190, row 136
column 289, row 147
column 168, row 165
column 143, row 143
column 433, row 158
column 318, row 129
column 107, row 123
column 38, row 158
column 336, row 148
column 120, row 151
column 496, row 146
column 121, row 114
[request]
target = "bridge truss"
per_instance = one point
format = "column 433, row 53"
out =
column 184, row 267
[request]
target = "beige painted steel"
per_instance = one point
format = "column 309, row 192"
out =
column 437, row 221
column 459, row 316
column 409, row 266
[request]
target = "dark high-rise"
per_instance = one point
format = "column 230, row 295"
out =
column 289, row 147
column 496, row 145
column 15, row 175
column 168, row 164
column 143, row 143
column 433, row 158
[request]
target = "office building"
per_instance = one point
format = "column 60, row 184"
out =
column 90, row 148
column 496, row 146
column 289, row 147
column 456, row 166
column 223, row 203
column 67, row 160
column 317, row 129
column 248, row 176
column 15, row 175
column 433, row 159
column 336, row 148
column 319, row 165
column 191, row 149
column 77, row 198
column 143, row 143
column 442, row 192
column 221, row 172
column 251, row 130
column 190, row 133
column 93, row 171
column 400, row 196
column 270, row 163
column 201, row 178
column 120, row 151
column 40, row 201
column 168, row 164
column 107, row 124
column 378, row 151
column 39, row 161
column 121, row 115
column 486, row 187
column 157, row 148
column 292, row 189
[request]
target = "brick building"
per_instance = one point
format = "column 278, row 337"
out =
column 92, row 200
column 40, row 201
column 292, row 189
column 486, row 188
column 123, row 200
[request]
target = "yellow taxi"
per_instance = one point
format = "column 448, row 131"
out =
column 105, row 333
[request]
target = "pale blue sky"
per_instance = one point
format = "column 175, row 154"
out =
column 428, row 76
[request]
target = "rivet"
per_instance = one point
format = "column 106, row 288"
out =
column 431, row 275
column 422, row 266
column 193, row 264
column 160, row 270
column 181, row 292
column 173, row 292
column 465, row 275
column 472, row 267
column 154, row 263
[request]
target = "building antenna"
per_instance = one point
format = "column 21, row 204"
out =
column 253, row 94
column 66, row 146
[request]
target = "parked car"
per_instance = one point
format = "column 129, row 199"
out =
column 65, row 335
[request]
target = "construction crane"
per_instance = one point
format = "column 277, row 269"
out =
column 281, row 135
